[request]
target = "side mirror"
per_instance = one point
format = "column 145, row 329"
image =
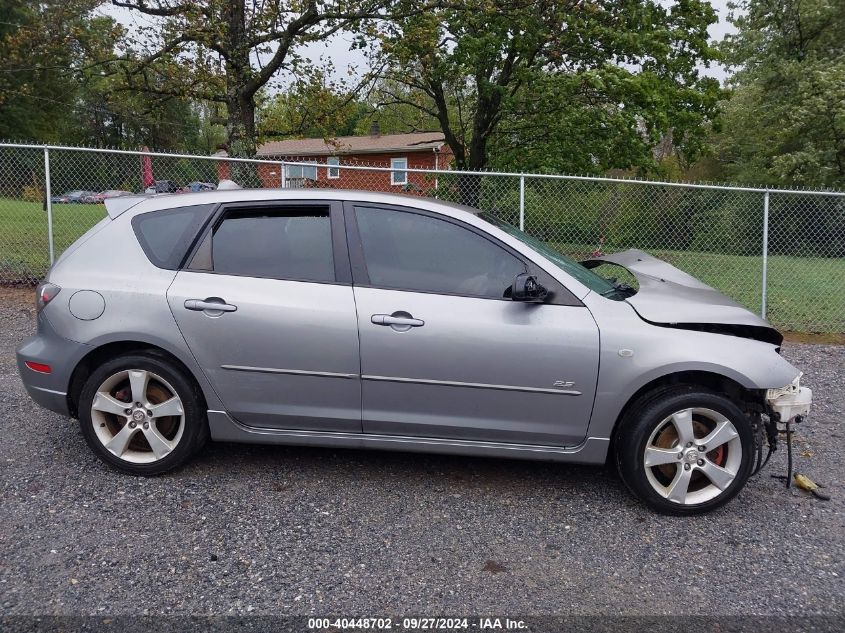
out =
column 526, row 288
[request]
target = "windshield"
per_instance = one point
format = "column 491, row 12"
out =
column 571, row 267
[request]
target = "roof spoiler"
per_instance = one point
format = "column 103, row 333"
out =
column 118, row 206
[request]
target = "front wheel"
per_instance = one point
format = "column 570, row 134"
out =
column 685, row 451
column 141, row 414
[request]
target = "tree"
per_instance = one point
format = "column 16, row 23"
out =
column 227, row 51
column 56, row 84
column 42, row 46
column 104, row 115
column 603, row 80
column 396, row 116
column 312, row 107
column 785, row 122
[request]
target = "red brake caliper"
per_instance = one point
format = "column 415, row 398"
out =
column 718, row 456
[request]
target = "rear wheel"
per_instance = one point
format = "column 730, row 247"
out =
column 685, row 451
column 140, row 413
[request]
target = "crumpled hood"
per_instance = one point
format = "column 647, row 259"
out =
column 668, row 295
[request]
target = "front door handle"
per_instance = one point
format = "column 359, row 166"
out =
column 401, row 321
column 211, row 304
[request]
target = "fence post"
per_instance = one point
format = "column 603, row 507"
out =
column 765, row 253
column 48, row 203
column 522, row 202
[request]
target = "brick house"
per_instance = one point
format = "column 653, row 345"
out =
column 398, row 152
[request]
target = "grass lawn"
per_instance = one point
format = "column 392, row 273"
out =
column 24, row 250
column 805, row 293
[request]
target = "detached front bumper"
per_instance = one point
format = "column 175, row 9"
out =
column 789, row 402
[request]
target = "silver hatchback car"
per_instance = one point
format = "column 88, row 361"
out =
column 366, row 320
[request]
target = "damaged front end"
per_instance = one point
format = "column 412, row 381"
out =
column 787, row 403
column 669, row 297
column 784, row 407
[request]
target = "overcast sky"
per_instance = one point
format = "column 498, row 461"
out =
column 337, row 48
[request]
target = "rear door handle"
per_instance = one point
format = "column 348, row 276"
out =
column 404, row 322
column 211, row 304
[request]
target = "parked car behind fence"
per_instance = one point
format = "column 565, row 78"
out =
column 75, row 196
column 99, row 198
column 196, row 187
column 164, row 186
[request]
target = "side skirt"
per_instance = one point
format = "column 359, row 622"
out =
column 592, row 450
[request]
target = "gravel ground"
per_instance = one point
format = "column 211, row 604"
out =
column 269, row 530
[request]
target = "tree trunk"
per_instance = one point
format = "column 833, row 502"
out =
column 240, row 132
column 240, row 124
column 469, row 185
column 240, row 102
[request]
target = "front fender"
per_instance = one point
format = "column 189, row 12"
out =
column 635, row 353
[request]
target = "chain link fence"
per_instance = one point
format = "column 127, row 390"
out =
column 781, row 253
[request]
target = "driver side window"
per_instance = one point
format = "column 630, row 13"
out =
column 411, row 251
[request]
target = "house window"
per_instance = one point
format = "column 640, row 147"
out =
column 333, row 172
column 301, row 172
column 399, row 176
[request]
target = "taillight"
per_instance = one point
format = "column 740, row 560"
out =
column 44, row 294
column 41, row 368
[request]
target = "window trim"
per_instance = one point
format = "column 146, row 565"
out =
column 558, row 293
column 395, row 170
column 193, row 233
column 340, row 250
column 330, row 169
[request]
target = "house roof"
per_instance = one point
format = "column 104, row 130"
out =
column 385, row 143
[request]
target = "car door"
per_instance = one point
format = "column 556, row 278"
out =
column 445, row 355
column 267, row 309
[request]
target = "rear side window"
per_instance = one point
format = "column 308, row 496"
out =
column 167, row 235
column 275, row 243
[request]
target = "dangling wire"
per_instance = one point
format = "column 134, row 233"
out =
column 771, row 429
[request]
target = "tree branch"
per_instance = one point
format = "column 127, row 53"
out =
column 160, row 11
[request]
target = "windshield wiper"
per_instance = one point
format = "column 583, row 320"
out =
column 620, row 290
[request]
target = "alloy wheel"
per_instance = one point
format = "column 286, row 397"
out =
column 138, row 416
column 692, row 456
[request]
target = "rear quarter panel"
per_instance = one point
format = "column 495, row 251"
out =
column 113, row 264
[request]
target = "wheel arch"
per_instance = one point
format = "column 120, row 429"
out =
column 122, row 347
column 744, row 397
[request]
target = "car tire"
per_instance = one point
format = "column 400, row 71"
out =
column 685, row 451
column 142, row 414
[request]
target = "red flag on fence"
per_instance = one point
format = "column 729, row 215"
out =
column 147, row 169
